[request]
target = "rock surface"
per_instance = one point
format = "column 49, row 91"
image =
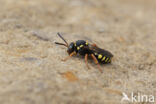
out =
column 31, row 70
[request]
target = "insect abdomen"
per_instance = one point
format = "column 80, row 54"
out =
column 102, row 58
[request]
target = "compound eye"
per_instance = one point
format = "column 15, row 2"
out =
column 71, row 46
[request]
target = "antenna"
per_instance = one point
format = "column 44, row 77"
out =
column 62, row 39
column 61, row 44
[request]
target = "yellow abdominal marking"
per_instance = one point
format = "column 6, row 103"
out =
column 95, row 53
column 78, row 48
column 99, row 56
column 109, row 60
column 86, row 43
column 103, row 58
column 81, row 46
column 106, row 60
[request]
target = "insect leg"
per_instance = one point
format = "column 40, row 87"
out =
column 96, row 62
column 73, row 53
column 86, row 60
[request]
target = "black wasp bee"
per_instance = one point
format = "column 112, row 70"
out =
column 85, row 49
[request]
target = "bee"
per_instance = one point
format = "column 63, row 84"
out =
column 85, row 49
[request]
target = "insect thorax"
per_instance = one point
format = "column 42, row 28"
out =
column 81, row 47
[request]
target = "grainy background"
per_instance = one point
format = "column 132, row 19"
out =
column 31, row 70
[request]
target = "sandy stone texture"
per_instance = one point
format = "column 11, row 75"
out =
column 31, row 70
